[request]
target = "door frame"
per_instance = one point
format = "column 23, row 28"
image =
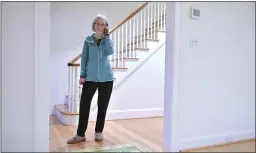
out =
column 170, row 123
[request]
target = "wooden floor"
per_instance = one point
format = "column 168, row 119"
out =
column 146, row 132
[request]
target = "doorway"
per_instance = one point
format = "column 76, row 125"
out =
column 37, row 113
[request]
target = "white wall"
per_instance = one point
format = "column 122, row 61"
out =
column 17, row 76
column 216, row 92
column 25, row 76
column 144, row 89
column 71, row 21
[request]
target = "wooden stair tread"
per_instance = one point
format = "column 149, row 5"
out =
column 127, row 58
column 148, row 39
column 137, row 49
column 63, row 109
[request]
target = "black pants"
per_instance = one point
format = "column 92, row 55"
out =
column 88, row 91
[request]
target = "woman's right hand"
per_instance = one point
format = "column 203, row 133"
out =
column 81, row 81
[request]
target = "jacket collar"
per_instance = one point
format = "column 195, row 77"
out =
column 90, row 39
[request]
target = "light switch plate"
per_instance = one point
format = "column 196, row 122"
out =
column 195, row 13
column 193, row 43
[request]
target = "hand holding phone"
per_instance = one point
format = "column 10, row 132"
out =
column 106, row 31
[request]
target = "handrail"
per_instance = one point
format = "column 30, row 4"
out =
column 72, row 62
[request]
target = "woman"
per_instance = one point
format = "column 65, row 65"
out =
column 96, row 73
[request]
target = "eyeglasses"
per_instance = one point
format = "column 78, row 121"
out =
column 102, row 25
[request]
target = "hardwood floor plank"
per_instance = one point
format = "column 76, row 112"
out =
column 146, row 132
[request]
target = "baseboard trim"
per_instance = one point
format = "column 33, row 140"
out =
column 67, row 119
column 186, row 145
column 130, row 114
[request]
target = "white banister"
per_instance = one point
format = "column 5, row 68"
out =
column 69, row 86
column 144, row 25
column 76, row 91
column 116, row 49
column 71, row 90
column 118, row 46
column 141, row 44
column 137, row 27
column 164, row 15
column 158, row 15
column 161, row 15
column 133, row 29
column 113, row 55
column 154, row 12
column 126, row 40
column 148, row 21
column 151, row 20
column 130, row 40
column 122, row 46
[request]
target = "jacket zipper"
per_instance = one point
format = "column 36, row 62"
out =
column 99, row 61
column 98, row 67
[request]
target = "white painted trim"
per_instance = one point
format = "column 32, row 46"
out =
column 170, row 125
column 130, row 113
column 41, row 80
column 215, row 139
column 112, row 115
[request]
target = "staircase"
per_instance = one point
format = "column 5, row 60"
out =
column 135, row 40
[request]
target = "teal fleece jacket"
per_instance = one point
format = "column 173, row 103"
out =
column 95, row 63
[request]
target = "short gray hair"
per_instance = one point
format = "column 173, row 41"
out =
column 99, row 16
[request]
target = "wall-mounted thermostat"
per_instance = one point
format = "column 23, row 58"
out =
column 194, row 13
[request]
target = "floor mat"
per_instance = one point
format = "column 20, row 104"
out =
column 118, row 148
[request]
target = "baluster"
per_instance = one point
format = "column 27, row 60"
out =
column 71, row 91
column 151, row 20
column 118, row 48
column 122, row 46
column 140, row 23
column 113, row 55
column 144, row 26
column 75, row 91
column 161, row 15
column 133, row 29
column 164, row 15
column 126, row 40
column 158, row 16
column 137, row 27
column 155, row 22
column 130, row 41
column 69, row 87
column 148, row 26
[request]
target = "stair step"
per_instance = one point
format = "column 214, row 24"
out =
column 142, row 49
column 153, row 40
column 127, row 59
column 63, row 109
column 120, row 68
column 137, row 49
